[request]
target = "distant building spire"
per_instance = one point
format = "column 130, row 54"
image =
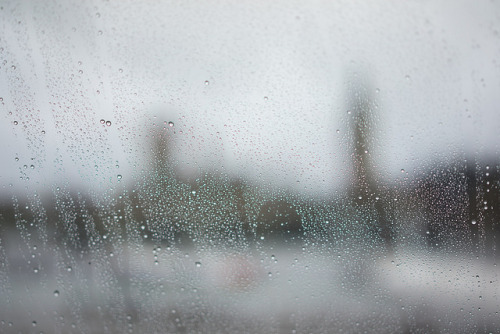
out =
column 361, row 108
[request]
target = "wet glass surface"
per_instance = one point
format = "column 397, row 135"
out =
column 285, row 167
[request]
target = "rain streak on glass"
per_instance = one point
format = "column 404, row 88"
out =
column 284, row 167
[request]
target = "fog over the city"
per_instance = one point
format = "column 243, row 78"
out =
column 247, row 166
column 253, row 89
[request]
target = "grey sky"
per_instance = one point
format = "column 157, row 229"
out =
column 258, row 88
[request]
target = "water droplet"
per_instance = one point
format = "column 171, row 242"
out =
column 15, row 123
column 119, row 177
column 266, row 98
column 171, row 124
column 56, row 293
column 348, row 112
column 102, row 121
column 402, row 170
column 473, row 222
column 32, row 166
column 108, row 123
column 207, row 82
column 69, row 269
column 198, row 264
column 35, row 270
column 34, row 323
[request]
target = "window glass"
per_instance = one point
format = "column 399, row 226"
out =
column 289, row 167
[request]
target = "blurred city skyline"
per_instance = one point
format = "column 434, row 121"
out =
column 280, row 166
column 270, row 107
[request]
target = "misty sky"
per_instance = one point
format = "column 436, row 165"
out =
column 255, row 89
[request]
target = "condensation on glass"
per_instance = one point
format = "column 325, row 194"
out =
column 284, row 167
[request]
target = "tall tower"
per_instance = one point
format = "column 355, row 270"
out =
column 365, row 190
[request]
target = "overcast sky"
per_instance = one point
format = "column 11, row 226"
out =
column 256, row 89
